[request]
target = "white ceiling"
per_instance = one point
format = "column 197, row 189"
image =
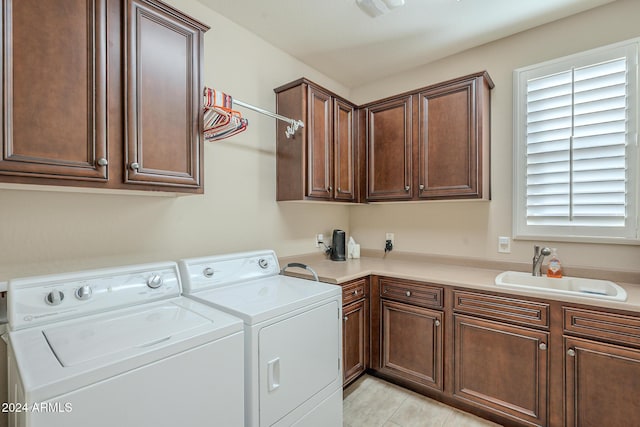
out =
column 338, row 39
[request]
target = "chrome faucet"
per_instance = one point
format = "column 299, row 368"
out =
column 538, row 256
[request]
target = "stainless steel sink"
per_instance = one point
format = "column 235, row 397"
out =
column 576, row 286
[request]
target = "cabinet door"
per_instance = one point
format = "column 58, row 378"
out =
column 163, row 99
column 601, row 387
column 499, row 367
column 319, row 159
column 343, row 149
column 412, row 343
column 448, row 142
column 389, row 150
column 354, row 333
column 54, row 89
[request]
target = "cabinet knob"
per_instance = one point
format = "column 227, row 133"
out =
column 355, row 292
column 134, row 166
column 407, row 188
column 339, row 190
column 408, row 293
column 543, row 346
column 102, row 161
column 421, row 187
column 330, row 189
column 437, row 322
column 346, row 318
column 571, row 352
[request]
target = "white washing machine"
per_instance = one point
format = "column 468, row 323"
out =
column 293, row 336
column 121, row 347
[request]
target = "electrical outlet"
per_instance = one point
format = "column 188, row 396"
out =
column 504, row 245
column 388, row 242
column 319, row 240
column 389, row 236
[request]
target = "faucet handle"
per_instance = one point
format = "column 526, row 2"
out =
column 536, row 250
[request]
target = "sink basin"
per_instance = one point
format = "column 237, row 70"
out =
column 576, row 286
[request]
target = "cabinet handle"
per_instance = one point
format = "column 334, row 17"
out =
column 346, row 318
column 421, row 187
column 355, row 292
column 437, row 322
column 542, row 346
column 134, row 166
column 102, row 161
column 408, row 293
column 571, row 352
column 407, row 188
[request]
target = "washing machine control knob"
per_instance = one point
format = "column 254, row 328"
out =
column 263, row 263
column 208, row 272
column 84, row 292
column 154, row 281
column 54, row 297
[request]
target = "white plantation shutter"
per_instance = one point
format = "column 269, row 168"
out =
column 576, row 147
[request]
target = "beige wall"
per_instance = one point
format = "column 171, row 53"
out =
column 472, row 228
column 44, row 231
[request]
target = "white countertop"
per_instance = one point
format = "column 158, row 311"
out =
column 444, row 273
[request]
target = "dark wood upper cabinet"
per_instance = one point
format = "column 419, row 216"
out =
column 164, row 80
column 389, row 150
column 101, row 93
column 54, row 90
column 454, row 139
column 431, row 143
column 344, row 148
column 319, row 161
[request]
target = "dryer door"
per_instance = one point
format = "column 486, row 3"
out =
column 299, row 357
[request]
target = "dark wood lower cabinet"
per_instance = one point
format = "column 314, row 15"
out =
column 514, row 360
column 501, row 368
column 602, row 384
column 354, row 339
column 412, row 343
column 355, row 329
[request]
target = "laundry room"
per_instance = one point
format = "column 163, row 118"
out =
column 423, row 213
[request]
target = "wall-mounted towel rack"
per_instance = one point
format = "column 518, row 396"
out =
column 294, row 125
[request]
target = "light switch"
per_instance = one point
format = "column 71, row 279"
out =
column 504, row 245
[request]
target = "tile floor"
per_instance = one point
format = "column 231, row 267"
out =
column 372, row 402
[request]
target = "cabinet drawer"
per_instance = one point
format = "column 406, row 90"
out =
column 411, row 292
column 353, row 291
column 501, row 308
column 608, row 326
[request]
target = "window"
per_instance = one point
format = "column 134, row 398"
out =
column 576, row 155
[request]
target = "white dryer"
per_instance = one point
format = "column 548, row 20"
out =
column 293, row 336
column 121, row 347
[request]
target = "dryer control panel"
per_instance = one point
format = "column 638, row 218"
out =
column 224, row 270
column 45, row 299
